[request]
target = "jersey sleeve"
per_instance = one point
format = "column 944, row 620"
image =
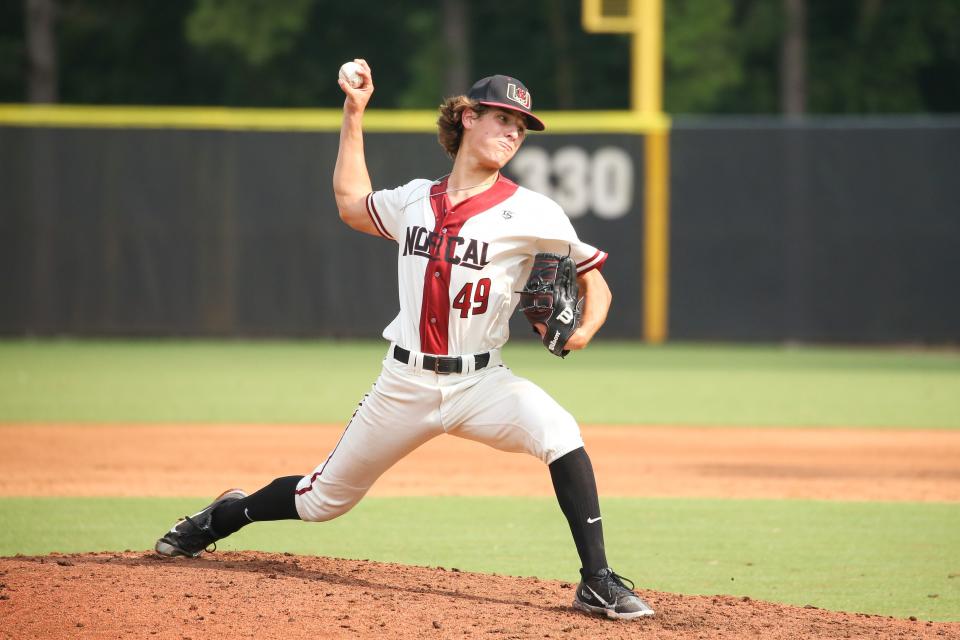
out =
column 562, row 238
column 386, row 207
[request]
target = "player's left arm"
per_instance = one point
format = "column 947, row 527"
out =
column 597, row 298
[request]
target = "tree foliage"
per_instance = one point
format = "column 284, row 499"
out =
column 258, row 30
column 701, row 60
column 873, row 56
column 863, row 56
column 12, row 52
column 425, row 63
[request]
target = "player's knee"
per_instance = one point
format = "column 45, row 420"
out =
column 554, row 454
column 321, row 500
column 322, row 510
column 562, row 439
column 323, row 515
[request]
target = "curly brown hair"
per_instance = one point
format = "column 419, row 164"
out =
column 449, row 124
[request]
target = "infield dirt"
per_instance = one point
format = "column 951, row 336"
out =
column 258, row 595
column 201, row 460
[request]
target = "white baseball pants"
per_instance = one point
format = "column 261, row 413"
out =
column 408, row 406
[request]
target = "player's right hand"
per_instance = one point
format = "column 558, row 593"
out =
column 357, row 98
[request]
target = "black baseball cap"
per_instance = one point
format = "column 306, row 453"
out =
column 506, row 93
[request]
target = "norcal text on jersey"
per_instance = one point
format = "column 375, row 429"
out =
column 464, row 252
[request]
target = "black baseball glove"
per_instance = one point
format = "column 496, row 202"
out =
column 550, row 297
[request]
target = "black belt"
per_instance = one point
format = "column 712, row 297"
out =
column 442, row 364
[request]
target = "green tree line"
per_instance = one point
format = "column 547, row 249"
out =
column 721, row 56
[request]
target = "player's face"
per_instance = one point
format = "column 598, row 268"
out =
column 495, row 136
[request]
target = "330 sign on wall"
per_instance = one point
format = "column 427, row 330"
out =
column 600, row 182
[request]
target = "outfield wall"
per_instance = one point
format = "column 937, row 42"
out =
column 838, row 229
column 830, row 230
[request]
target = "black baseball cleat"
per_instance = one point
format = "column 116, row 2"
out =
column 192, row 535
column 605, row 594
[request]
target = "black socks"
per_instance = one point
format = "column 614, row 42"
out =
column 573, row 482
column 274, row 502
column 576, row 489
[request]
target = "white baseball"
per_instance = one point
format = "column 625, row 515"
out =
column 350, row 72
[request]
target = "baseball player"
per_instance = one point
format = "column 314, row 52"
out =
column 465, row 244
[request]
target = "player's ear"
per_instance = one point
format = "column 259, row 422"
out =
column 468, row 117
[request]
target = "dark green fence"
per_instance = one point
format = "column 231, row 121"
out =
column 829, row 230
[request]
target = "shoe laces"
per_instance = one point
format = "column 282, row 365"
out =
column 620, row 579
column 205, row 531
column 614, row 584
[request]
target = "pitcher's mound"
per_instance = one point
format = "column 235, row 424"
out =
column 262, row 595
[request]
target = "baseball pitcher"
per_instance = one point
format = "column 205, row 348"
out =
column 471, row 246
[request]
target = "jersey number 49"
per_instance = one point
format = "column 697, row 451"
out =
column 477, row 302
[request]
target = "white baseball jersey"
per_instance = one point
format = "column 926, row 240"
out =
column 459, row 268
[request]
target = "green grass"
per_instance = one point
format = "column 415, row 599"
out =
column 886, row 558
column 618, row 383
column 896, row 559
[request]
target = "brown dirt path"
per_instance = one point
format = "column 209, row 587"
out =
column 257, row 595
column 185, row 460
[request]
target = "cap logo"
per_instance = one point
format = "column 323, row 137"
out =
column 519, row 95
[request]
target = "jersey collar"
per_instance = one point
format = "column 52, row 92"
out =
column 448, row 214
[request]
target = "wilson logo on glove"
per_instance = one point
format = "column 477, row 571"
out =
column 550, row 298
column 565, row 316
